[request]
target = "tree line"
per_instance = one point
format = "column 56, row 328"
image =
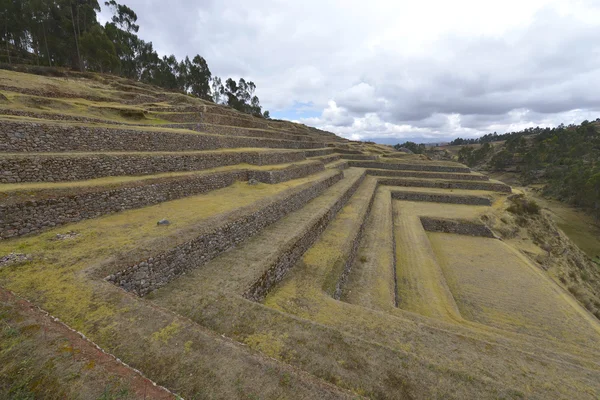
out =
column 495, row 137
column 66, row 33
column 566, row 159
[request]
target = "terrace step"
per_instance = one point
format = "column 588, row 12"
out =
column 428, row 175
column 421, row 286
column 493, row 186
column 359, row 157
column 372, row 278
column 339, row 164
column 326, row 159
column 45, row 136
column 218, row 234
column 450, row 167
column 52, row 167
column 28, row 208
column 276, row 248
column 241, row 131
column 326, row 264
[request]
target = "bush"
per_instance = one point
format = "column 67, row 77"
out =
column 521, row 206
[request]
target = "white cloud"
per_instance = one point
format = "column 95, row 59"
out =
column 398, row 69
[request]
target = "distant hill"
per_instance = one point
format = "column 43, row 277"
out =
column 564, row 159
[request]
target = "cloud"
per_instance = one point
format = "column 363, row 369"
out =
column 389, row 70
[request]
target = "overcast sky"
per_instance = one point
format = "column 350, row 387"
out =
column 395, row 70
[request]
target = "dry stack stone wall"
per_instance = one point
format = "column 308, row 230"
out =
column 466, row 185
column 460, row 227
column 52, row 168
column 297, row 247
column 427, row 175
column 240, row 131
column 441, row 198
column 42, row 137
column 154, row 272
column 408, row 167
column 37, row 215
column 286, row 174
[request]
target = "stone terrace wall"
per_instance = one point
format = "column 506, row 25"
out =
column 58, row 208
column 286, row 174
column 341, row 150
column 239, row 131
column 359, row 157
column 211, row 118
column 157, row 271
column 57, row 117
column 427, row 175
column 343, row 265
column 37, row 137
column 460, row 227
column 36, row 215
column 330, row 158
column 441, row 198
column 286, row 259
column 408, row 167
column 198, row 127
column 51, row 168
column 319, row 152
column 466, row 185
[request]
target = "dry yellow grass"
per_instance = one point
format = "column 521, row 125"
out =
column 494, row 285
column 503, row 337
column 118, row 180
column 371, row 282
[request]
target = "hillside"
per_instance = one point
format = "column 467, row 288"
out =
column 155, row 245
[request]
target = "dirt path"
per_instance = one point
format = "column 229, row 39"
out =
column 42, row 358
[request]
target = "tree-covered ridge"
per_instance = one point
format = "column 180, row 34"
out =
column 66, row 33
column 494, row 137
column 566, row 159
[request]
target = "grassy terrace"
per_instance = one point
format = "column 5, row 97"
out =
column 344, row 297
column 43, row 358
column 208, row 294
column 507, row 292
column 111, row 181
column 152, row 153
column 63, row 277
column 149, row 128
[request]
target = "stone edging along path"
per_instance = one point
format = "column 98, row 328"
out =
column 38, row 214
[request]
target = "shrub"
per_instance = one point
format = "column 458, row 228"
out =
column 521, row 205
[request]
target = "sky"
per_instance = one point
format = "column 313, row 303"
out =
column 391, row 71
